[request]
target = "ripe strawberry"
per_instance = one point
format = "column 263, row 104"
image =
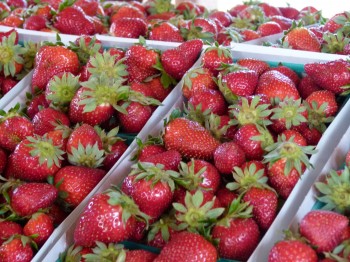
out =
column 73, row 20
column 209, row 99
column 284, row 22
column 249, row 34
column 200, row 28
column 128, row 27
column 324, row 229
column 269, row 28
column 301, row 38
column 90, row 7
column 307, row 86
column 288, row 72
column 8, row 229
column 51, row 60
column 224, row 17
column 297, row 137
column 140, row 255
column 225, row 196
column 227, row 156
column 40, row 225
column 178, row 60
column 258, row 165
column 76, row 182
column 57, row 214
column 274, row 84
column 152, row 146
column 35, row 22
column 289, row 12
column 237, row 233
column 256, row 65
column 42, row 195
column 336, row 22
column 312, row 135
column 108, row 205
column 169, row 159
column 269, row 10
column 197, row 80
column 214, row 57
column 228, row 35
column 187, row 246
column 127, row 11
column 114, row 154
column 190, row 139
column 234, row 11
column 322, row 97
column 165, row 31
column 292, row 250
column 48, row 119
column 330, row 75
column 12, row 21
column 158, row 89
column 7, row 84
column 35, row 103
column 16, row 248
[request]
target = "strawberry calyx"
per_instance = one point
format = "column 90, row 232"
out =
column 108, row 139
column 106, row 64
column 340, row 253
column 250, row 113
column 237, row 209
column 155, row 173
column 195, row 113
column 66, row 3
column 24, row 240
column 190, row 75
column 135, row 96
column 290, row 111
column 232, row 34
column 335, row 191
column 10, row 55
column 334, row 43
column 163, row 225
column 166, row 80
column 213, row 124
column 242, row 23
column 248, row 178
column 190, row 179
column 141, row 145
column 296, row 156
column 72, row 254
column 45, row 150
column 221, row 50
column 102, row 91
column 89, row 156
column 7, row 186
column 84, row 50
column 230, row 68
column 160, row 6
column 31, row 49
column 317, row 117
column 62, row 90
column 196, row 32
column 193, row 215
column 308, row 17
column 12, row 112
column 104, row 252
column 130, row 208
column 265, row 137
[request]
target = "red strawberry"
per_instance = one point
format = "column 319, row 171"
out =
column 165, row 31
column 40, row 225
column 178, row 60
column 51, row 60
column 291, row 251
column 42, row 195
column 7, row 84
column 116, row 151
column 269, row 10
column 269, row 28
column 169, row 159
column 140, row 256
column 57, row 214
column 187, row 246
column 227, row 156
column 256, row 65
column 322, row 97
column 90, row 7
column 307, row 86
column 249, row 34
column 289, row 12
column 73, row 20
column 35, row 103
column 324, row 229
column 288, row 72
column 16, row 248
column 312, row 135
column 48, row 119
column 118, row 213
column 336, row 22
column 76, row 182
column 197, row 80
column 35, row 22
column 8, row 229
column 225, row 196
column 284, row 22
column 214, row 57
column 129, row 11
column 12, row 21
column 274, row 84
column 190, row 139
column 128, row 27
column 209, row 99
column 302, row 38
column 150, row 150
column 224, row 17
column 330, row 75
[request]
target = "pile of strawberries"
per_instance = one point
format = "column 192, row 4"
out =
column 15, row 60
column 324, row 235
column 56, row 151
column 154, row 19
column 210, row 185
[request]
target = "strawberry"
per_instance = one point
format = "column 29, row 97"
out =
column 196, row 80
column 7, row 84
column 249, row 34
column 225, row 196
column 312, row 135
column 169, row 159
column 269, row 10
column 165, row 31
column 297, row 137
column 307, row 86
column 187, row 246
column 200, row 28
column 253, row 140
column 332, row 75
column 12, row 21
column 39, row 225
column 288, row 72
column 140, row 256
column 214, row 57
column 227, row 156
column 256, row 65
column 51, row 60
column 336, row 22
column 323, row 229
column 178, row 60
column 152, row 146
column 8, row 229
column 292, row 250
column 57, row 214
column 309, row 15
column 234, row 11
column 322, row 97
column 107, row 205
column 162, row 231
column 274, row 84
column 127, row 11
column 301, row 38
column 237, row 233
column 269, row 28
column 128, row 27
column 284, row 22
column 258, row 165
column 89, row 7
column 36, row 158
column 190, row 139
column 17, row 248
column 224, row 17
column 76, row 182
column 42, row 195
column 48, row 119
column 289, row 12
column 228, row 35
column 34, row 103
column 209, row 99
column 114, row 154
column 35, row 22
column 188, row 9
column 73, row 20
column 158, row 90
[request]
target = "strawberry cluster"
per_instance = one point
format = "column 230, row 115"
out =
column 60, row 146
column 324, row 234
column 155, row 19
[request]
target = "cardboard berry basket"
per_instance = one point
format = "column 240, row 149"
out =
column 330, row 139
